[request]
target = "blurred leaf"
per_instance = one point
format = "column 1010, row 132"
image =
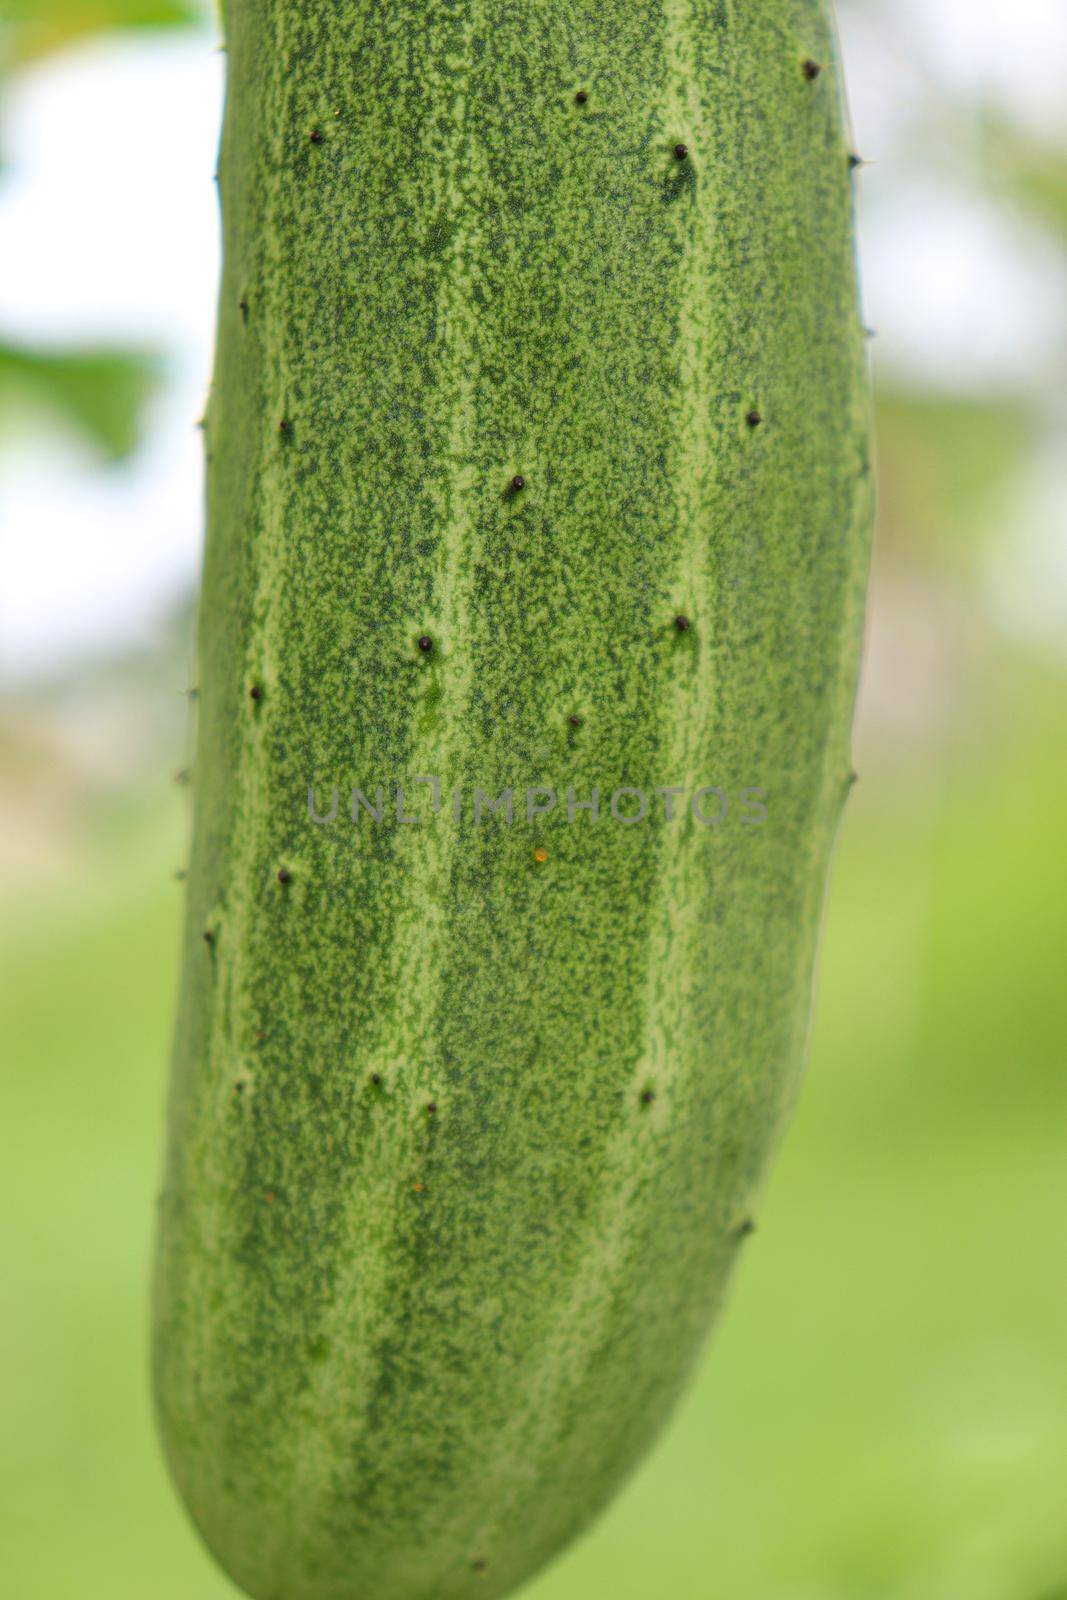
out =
column 101, row 392
column 1031, row 173
column 941, row 459
column 35, row 27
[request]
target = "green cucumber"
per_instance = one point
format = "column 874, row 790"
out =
column 539, row 461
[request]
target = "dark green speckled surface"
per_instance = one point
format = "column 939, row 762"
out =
column 402, row 1353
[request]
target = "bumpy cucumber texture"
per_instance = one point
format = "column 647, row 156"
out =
column 538, row 462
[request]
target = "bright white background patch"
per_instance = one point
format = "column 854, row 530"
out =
column 108, row 233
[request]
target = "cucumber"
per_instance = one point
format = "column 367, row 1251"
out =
column 538, row 463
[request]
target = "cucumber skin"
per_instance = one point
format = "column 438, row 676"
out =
column 403, row 1355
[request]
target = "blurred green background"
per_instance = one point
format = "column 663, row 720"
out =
column 883, row 1410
